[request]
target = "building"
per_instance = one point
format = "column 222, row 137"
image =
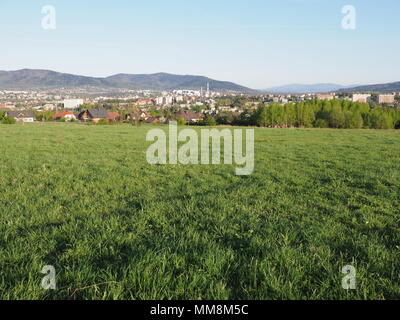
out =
column 169, row 100
column 159, row 101
column 165, row 100
column 7, row 106
column 94, row 115
column 325, row 96
column 363, row 98
column 113, row 116
column 155, row 120
column 229, row 109
column 22, row 116
column 72, row 103
column 190, row 116
column 64, row 115
column 137, row 116
column 144, row 102
column 386, row 98
column 49, row 107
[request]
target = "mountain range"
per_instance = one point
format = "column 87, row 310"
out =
column 332, row 87
column 306, row 88
column 44, row 79
column 381, row 88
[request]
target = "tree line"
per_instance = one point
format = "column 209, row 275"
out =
column 341, row 114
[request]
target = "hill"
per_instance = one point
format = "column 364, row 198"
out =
column 305, row 88
column 378, row 88
column 30, row 79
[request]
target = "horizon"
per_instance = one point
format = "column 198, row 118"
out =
column 265, row 45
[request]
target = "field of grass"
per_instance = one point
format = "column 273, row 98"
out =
column 83, row 199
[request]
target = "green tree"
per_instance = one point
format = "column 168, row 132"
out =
column 209, row 121
column 8, row 120
column 337, row 117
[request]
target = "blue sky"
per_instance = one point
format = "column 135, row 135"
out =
column 257, row 43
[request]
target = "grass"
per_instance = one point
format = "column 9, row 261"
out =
column 83, row 199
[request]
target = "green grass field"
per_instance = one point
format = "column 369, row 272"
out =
column 83, row 199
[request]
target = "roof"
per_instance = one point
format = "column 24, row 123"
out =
column 62, row 114
column 97, row 113
column 21, row 114
column 153, row 120
column 189, row 115
column 113, row 115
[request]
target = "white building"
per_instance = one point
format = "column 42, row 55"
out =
column 72, row 103
column 22, row 116
column 361, row 97
column 386, row 98
column 160, row 101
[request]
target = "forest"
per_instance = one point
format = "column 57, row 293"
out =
column 340, row 114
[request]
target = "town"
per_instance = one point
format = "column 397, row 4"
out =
column 196, row 107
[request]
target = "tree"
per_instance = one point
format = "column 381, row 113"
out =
column 8, row 120
column 181, row 121
column 261, row 116
column 337, row 118
column 353, row 120
column 226, row 118
column 209, row 121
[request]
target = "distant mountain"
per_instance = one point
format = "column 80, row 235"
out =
column 306, row 88
column 26, row 78
column 166, row 81
column 30, row 79
column 378, row 88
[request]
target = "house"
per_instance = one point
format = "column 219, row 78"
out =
column 229, row 109
column 137, row 116
column 155, row 120
column 113, row 116
column 190, row 116
column 67, row 115
column 49, row 107
column 94, row 115
column 7, row 106
column 144, row 102
column 22, row 116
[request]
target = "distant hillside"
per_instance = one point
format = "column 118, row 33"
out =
column 378, row 88
column 305, row 88
column 26, row 78
column 30, row 79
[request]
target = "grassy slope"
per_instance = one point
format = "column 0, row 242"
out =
column 84, row 199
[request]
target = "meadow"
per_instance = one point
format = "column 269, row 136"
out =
column 84, row 199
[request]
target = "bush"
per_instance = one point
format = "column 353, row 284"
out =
column 102, row 122
column 181, row 121
column 209, row 121
column 8, row 120
column 321, row 123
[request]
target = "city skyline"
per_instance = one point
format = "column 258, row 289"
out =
column 265, row 45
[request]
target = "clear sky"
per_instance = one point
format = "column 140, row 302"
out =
column 257, row 43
